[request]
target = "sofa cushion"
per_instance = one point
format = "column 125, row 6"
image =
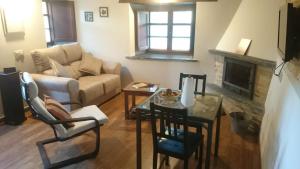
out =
column 60, row 70
column 73, row 52
column 88, row 111
column 90, row 64
column 75, row 67
column 73, row 70
column 111, row 82
column 90, row 88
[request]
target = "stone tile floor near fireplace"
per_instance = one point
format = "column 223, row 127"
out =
column 18, row 148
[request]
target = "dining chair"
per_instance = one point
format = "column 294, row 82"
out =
column 197, row 78
column 197, row 125
column 88, row 118
column 171, row 136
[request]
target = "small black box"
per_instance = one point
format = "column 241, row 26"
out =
column 9, row 70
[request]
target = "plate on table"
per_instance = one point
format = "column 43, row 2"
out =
column 170, row 95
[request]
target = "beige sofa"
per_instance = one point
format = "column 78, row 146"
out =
column 83, row 88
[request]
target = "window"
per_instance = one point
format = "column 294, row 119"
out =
column 46, row 22
column 165, row 29
column 59, row 22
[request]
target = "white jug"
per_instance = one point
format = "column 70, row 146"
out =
column 187, row 96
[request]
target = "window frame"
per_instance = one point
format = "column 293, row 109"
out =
column 54, row 29
column 170, row 8
column 51, row 43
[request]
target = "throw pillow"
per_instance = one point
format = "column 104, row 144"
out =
column 58, row 111
column 76, row 69
column 90, row 64
column 59, row 70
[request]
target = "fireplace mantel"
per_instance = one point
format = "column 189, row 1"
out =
column 251, row 59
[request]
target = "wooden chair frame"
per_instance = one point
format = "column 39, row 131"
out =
column 170, row 118
column 197, row 77
column 52, row 123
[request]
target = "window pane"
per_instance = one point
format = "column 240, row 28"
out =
column 158, row 30
column 47, row 34
column 158, row 43
column 158, row 17
column 44, row 8
column 181, row 31
column 182, row 17
column 182, row 44
column 46, row 22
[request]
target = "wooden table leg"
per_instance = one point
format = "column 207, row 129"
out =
column 126, row 106
column 138, row 141
column 209, row 142
column 133, row 100
column 218, row 131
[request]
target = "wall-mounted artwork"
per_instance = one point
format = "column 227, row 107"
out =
column 243, row 46
column 103, row 11
column 88, row 16
column 12, row 21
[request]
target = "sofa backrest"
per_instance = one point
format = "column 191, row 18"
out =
column 41, row 57
column 73, row 52
column 63, row 54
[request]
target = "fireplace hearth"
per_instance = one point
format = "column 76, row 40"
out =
column 239, row 76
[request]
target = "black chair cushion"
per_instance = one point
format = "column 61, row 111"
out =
column 176, row 148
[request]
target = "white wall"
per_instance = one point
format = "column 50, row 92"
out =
column 112, row 38
column 34, row 37
column 256, row 20
column 280, row 130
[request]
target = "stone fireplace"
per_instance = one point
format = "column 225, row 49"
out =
column 246, row 76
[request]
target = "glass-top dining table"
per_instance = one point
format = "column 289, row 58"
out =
column 206, row 110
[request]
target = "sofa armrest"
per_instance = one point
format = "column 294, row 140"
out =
column 112, row 67
column 60, row 88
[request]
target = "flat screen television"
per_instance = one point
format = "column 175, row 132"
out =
column 287, row 35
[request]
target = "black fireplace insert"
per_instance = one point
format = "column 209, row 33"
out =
column 239, row 76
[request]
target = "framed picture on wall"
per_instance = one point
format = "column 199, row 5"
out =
column 243, row 46
column 12, row 22
column 103, row 11
column 88, row 16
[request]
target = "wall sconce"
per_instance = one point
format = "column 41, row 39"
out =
column 19, row 55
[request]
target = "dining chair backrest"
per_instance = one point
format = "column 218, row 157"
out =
column 172, row 124
column 197, row 78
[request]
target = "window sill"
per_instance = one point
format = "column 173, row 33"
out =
column 163, row 57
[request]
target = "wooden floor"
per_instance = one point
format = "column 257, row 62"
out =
column 19, row 151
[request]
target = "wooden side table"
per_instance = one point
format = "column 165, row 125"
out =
column 130, row 90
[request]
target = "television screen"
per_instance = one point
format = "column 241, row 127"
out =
column 282, row 29
column 286, row 33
